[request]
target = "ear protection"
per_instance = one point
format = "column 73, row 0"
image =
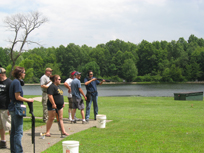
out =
column 22, row 82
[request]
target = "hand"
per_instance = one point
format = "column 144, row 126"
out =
column 54, row 106
column 85, row 98
column 69, row 90
column 104, row 80
column 8, row 113
column 94, row 79
column 30, row 100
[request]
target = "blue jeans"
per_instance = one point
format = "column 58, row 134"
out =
column 16, row 133
column 88, row 107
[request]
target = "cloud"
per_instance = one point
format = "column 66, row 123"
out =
column 93, row 22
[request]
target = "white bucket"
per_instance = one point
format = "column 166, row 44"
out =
column 101, row 119
column 70, row 146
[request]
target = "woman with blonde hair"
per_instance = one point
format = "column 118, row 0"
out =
column 55, row 101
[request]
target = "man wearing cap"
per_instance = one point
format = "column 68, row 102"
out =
column 5, row 119
column 92, row 94
column 76, row 97
column 67, row 84
column 45, row 82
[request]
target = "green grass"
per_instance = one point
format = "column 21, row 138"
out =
column 139, row 124
column 143, row 125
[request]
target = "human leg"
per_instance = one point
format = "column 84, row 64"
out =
column 70, row 108
column 88, row 108
column 12, row 133
column 82, row 114
column 16, row 133
column 44, row 104
column 95, row 105
column 5, row 123
column 2, row 131
column 51, row 117
column 3, row 139
column 60, row 112
column 73, row 112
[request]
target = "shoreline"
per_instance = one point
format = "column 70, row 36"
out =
column 129, row 83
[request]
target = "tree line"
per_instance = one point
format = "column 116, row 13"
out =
column 159, row 61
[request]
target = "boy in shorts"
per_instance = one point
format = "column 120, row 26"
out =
column 67, row 84
column 76, row 97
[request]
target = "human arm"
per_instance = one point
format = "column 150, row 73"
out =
column 52, row 101
column 68, row 87
column 44, row 86
column 102, row 82
column 45, row 82
column 81, row 91
column 19, row 98
column 88, row 82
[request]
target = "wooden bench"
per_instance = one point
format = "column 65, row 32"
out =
column 189, row 96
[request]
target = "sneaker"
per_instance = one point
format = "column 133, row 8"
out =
column 3, row 144
column 73, row 121
column 87, row 121
column 84, row 122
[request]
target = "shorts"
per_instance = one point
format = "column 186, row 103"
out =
column 77, row 103
column 70, row 103
column 50, row 108
column 5, row 120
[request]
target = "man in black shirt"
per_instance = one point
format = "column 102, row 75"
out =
column 5, row 119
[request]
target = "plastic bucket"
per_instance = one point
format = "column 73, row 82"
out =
column 70, row 146
column 101, row 119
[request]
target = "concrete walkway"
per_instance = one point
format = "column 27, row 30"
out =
column 43, row 144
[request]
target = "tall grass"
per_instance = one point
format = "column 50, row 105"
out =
column 143, row 125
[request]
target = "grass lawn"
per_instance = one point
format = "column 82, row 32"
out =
column 143, row 125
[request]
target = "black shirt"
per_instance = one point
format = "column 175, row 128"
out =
column 57, row 94
column 4, row 93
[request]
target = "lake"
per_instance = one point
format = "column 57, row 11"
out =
column 145, row 90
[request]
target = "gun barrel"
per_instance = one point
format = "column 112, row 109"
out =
column 103, row 79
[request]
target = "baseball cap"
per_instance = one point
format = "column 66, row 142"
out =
column 2, row 70
column 77, row 73
column 48, row 69
column 73, row 73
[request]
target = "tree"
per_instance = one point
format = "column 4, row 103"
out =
column 129, row 70
column 90, row 66
column 22, row 25
column 4, row 58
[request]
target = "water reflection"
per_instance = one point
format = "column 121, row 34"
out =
column 146, row 90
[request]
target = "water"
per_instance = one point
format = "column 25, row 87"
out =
column 145, row 90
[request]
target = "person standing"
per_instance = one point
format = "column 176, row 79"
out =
column 16, row 96
column 45, row 82
column 92, row 93
column 55, row 101
column 76, row 97
column 5, row 118
column 67, row 84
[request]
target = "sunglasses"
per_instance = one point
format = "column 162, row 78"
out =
column 90, row 74
column 59, row 79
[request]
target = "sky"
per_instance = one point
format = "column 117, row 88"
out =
column 94, row 22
